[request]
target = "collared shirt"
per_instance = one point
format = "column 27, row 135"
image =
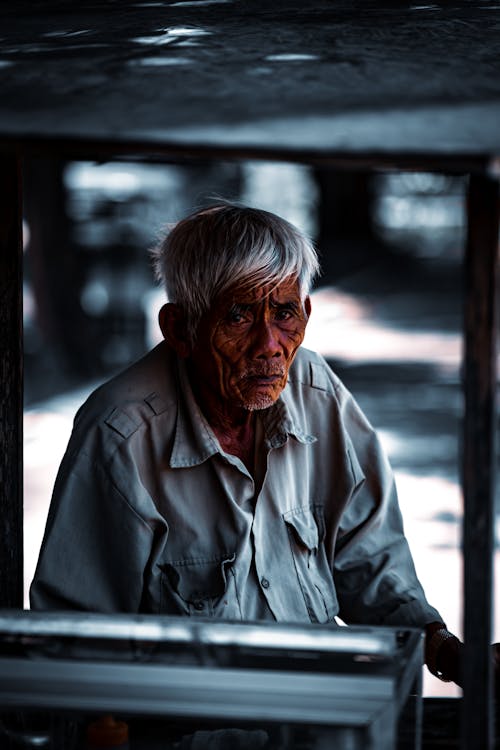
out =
column 150, row 514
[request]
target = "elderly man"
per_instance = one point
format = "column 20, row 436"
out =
column 229, row 473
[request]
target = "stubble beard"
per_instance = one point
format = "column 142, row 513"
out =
column 259, row 403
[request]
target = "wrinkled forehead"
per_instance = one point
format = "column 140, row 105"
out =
column 252, row 292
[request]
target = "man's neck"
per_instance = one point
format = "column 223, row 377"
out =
column 234, row 427
column 239, row 441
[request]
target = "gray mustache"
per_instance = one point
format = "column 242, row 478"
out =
column 266, row 371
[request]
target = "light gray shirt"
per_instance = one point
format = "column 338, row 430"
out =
column 149, row 514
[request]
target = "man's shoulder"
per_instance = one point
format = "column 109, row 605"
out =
column 133, row 397
column 311, row 370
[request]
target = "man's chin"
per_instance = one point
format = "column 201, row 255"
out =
column 258, row 406
column 259, row 402
column 260, row 397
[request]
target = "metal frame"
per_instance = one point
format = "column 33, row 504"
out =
column 480, row 334
column 351, row 689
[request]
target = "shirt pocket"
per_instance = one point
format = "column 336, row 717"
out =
column 306, row 532
column 200, row 586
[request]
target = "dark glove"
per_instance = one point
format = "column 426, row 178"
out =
column 443, row 653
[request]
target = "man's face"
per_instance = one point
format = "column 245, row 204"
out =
column 246, row 344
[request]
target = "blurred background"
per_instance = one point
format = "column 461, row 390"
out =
column 387, row 315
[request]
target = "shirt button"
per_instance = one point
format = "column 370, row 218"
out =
column 264, row 583
column 198, row 605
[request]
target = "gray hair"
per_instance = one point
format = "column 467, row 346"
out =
column 225, row 245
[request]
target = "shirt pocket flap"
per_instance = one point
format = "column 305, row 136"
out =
column 198, row 579
column 304, row 526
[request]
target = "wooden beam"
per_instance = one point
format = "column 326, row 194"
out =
column 11, row 390
column 165, row 150
column 479, row 456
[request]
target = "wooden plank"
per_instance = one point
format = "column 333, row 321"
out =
column 11, row 399
column 124, row 149
column 479, row 456
column 346, row 77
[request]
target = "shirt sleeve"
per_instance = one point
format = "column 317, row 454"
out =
column 96, row 546
column 374, row 572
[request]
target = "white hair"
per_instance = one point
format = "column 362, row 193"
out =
column 226, row 245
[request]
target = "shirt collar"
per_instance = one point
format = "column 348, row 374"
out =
column 281, row 421
column 195, row 441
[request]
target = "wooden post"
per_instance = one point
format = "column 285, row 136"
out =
column 11, row 388
column 479, row 457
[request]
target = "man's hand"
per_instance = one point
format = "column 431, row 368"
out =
column 444, row 654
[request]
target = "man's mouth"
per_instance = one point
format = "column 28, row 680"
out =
column 263, row 376
column 263, row 373
column 265, row 379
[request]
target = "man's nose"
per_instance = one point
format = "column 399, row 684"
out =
column 265, row 340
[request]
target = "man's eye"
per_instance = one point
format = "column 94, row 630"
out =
column 237, row 315
column 284, row 314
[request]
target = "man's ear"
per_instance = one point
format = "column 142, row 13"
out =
column 173, row 326
column 307, row 306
